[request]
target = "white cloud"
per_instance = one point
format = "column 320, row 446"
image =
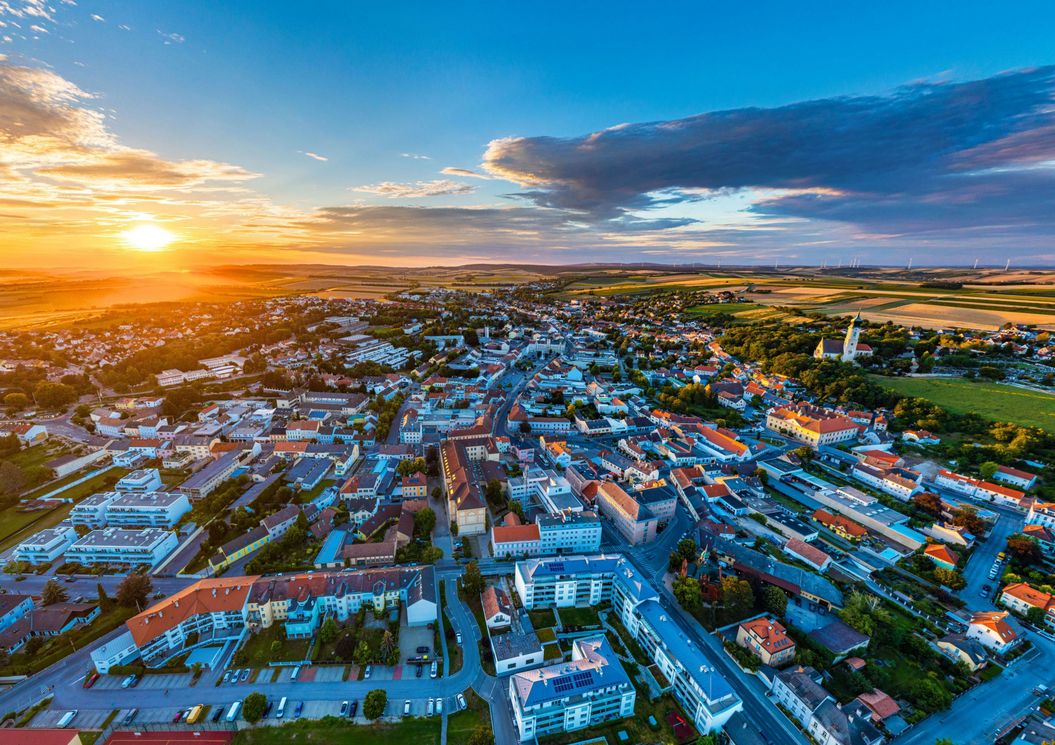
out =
column 415, row 156
column 172, row 38
column 466, row 173
column 314, row 156
column 437, row 188
column 98, row 18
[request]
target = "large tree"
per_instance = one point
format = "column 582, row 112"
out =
column 473, row 580
column 1025, row 549
column 53, row 593
column 737, row 597
column 687, row 591
column 134, row 591
column 424, row 521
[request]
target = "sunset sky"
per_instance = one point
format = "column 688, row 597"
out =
column 183, row 133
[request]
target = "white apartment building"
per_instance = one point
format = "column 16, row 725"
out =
column 145, row 510
column 46, row 545
column 590, row 689
column 588, row 580
column 142, row 480
column 123, row 546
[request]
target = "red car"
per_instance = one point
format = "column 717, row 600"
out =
column 90, row 680
column 179, row 716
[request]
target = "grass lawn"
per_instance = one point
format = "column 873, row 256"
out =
column 37, row 455
column 579, row 617
column 546, row 635
column 336, row 731
column 257, row 647
column 542, row 618
column 303, row 497
column 551, row 652
column 461, row 725
column 1002, row 403
column 14, row 524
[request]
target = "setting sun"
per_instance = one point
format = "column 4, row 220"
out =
column 147, row 237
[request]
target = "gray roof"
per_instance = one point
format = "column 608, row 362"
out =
column 596, row 668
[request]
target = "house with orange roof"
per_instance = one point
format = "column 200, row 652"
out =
column 812, row 425
column 991, row 629
column 841, row 526
column 941, row 555
column 1020, row 597
column 767, row 639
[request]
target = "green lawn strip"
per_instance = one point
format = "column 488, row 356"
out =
column 14, row 525
column 336, row 731
column 462, row 724
column 1002, row 403
column 584, row 616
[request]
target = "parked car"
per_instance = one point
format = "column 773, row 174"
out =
column 178, row 716
column 368, row 672
column 406, row 707
column 354, row 708
column 216, row 714
column 90, row 680
column 245, row 675
column 417, row 673
column 130, row 716
column 226, row 677
column 298, row 709
column 459, row 638
column 344, row 708
column 461, row 702
column 267, row 709
column 423, row 650
column 431, row 705
column 439, row 706
column 434, row 670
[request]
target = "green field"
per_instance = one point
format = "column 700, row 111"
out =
column 14, row 525
column 334, row 731
column 713, row 309
column 1001, row 403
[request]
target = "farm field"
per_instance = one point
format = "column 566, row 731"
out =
column 903, row 302
column 995, row 401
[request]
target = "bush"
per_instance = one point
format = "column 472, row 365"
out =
column 375, row 703
column 253, row 707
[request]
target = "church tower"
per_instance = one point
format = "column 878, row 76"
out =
column 853, row 334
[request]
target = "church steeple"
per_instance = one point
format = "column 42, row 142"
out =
column 853, row 334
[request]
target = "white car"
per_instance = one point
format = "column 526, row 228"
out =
column 459, row 638
column 461, row 702
column 431, row 705
column 406, row 707
column 439, row 706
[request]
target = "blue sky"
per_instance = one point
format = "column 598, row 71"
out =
column 257, row 85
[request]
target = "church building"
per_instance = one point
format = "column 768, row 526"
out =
column 847, row 350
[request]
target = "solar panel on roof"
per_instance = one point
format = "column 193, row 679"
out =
column 557, row 566
column 582, row 680
column 563, row 685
